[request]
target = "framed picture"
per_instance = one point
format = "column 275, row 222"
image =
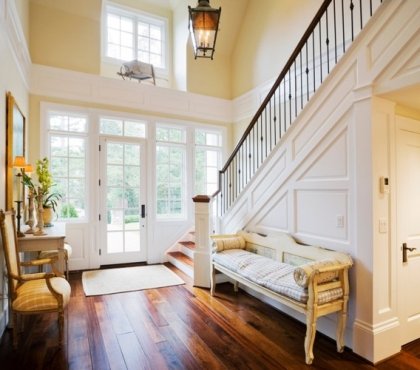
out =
column 15, row 145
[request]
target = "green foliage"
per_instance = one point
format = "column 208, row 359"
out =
column 68, row 211
column 45, row 183
column 129, row 219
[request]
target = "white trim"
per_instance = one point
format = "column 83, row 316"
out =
column 16, row 39
column 83, row 87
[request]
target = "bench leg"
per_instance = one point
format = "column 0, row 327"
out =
column 235, row 286
column 212, row 280
column 310, row 337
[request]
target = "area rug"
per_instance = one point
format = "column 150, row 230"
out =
column 127, row 279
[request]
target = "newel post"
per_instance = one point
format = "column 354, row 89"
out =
column 202, row 253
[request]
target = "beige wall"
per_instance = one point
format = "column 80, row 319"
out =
column 209, row 77
column 66, row 34
column 269, row 33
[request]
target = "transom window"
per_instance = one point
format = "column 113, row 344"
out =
column 67, row 139
column 122, row 127
column 131, row 35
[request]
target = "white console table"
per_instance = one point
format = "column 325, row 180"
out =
column 53, row 240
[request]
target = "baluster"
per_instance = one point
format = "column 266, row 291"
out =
column 313, row 58
column 370, row 8
column 320, row 50
column 352, row 20
column 275, row 120
column 262, row 143
column 279, row 90
column 307, row 73
column 343, row 22
column 266, row 137
column 295, row 91
column 327, row 41
column 301, row 82
column 335, row 32
column 361, row 15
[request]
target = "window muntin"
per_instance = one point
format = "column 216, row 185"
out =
column 122, row 127
column 133, row 35
column 67, row 140
column 208, row 157
column 170, row 172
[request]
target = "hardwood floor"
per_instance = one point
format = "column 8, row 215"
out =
column 177, row 327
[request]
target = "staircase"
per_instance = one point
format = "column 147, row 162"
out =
column 262, row 150
column 181, row 255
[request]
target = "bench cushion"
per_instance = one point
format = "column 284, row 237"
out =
column 271, row 274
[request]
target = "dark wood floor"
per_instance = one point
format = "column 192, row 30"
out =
column 177, row 328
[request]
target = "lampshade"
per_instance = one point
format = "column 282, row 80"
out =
column 19, row 162
column 203, row 26
column 28, row 169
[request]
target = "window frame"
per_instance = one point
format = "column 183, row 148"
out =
column 173, row 144
column 216, row 148
column 47, row 112
column 137, row 15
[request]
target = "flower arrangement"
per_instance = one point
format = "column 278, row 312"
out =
column 44, row 186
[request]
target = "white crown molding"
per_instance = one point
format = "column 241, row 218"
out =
column 65, row 84
column 16, row 38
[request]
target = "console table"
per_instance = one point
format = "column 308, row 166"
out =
column 53, row 240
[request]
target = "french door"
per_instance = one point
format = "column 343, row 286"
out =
column 123, row 195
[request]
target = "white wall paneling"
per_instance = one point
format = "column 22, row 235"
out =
column 77, row 86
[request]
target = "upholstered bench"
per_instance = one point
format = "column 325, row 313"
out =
column 309, row 279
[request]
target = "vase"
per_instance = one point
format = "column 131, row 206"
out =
column 40, row 225
column 47, row 216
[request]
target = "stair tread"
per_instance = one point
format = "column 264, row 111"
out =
column 187, row 243
column 182, row 257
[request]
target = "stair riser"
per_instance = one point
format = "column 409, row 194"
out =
column 182, row 266
column 187, row 251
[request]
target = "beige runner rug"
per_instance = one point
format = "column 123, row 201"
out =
column 127, row 279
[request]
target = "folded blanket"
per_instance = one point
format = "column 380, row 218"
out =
column 303, row 273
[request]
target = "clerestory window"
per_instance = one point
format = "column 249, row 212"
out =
column 131, row 35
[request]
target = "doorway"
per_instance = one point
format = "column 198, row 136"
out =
column 408, row 226
column 122, row 201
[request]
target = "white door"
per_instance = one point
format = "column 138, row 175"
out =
column 123, row 195
column 408, row 226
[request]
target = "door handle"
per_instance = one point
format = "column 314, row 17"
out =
column 143, row 211
column 405, row 249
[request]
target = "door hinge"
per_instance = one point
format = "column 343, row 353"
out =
column 99, row 217
column 99, row 182
column 99, row 147
column 100, row 251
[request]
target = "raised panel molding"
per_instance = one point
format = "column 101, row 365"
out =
column 331, row 204
column 77, row 86
column 332, row 163
column 275, row 218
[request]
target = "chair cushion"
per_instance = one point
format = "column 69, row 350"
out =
column 34, row 295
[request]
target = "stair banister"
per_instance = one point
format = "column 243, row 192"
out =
column 301, row 76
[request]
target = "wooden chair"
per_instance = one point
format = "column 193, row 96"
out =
column 54, row 255
column 31, row 293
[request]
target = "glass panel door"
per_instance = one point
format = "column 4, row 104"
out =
column 123, row 225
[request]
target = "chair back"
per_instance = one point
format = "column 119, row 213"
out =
column 9, row 238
